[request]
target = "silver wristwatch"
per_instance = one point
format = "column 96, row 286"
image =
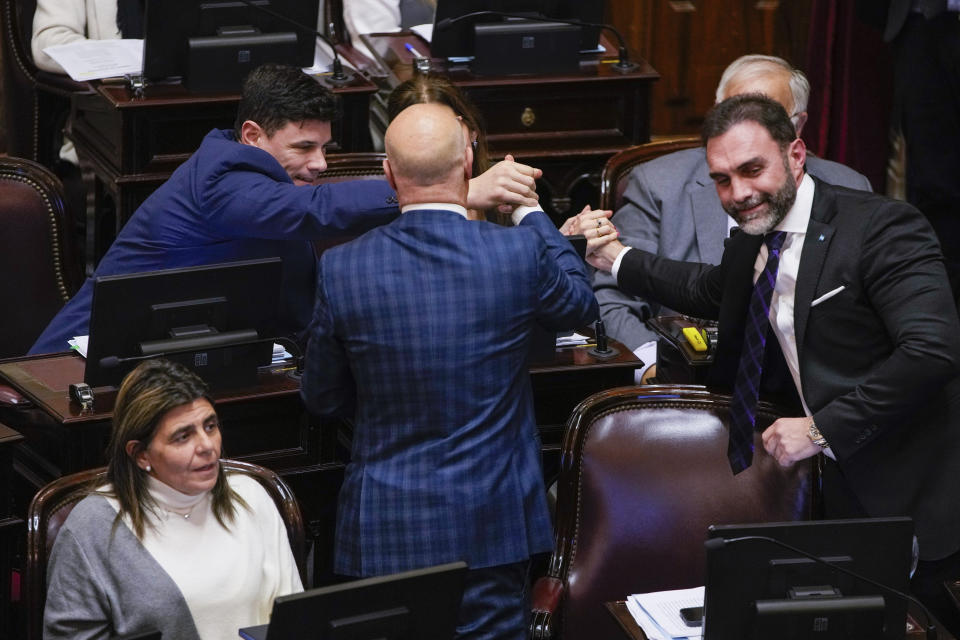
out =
column 815, row 436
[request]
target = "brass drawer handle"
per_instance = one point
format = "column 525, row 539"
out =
column 528, row 117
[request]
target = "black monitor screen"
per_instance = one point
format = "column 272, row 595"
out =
column 414, row 605
column 455, row 38
column 216, row 319
column 213, row 44
column 758, row 589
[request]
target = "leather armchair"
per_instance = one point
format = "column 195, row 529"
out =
column 36, row 255
column 342, row 167
column 644, row 472
column 36, row 103
column 613, row 178
column 52, row 504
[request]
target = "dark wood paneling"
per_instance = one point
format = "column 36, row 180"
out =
column 690, row 42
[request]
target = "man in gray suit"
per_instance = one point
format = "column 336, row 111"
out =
column 672, row 208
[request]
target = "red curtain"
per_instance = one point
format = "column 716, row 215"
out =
column 849, row 67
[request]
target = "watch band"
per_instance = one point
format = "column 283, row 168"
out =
column 815, row 436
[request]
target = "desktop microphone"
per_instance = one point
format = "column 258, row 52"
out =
column 339, row 77
column 112, row 362
column 623, row 65
column 603, row 350
column 719, row 543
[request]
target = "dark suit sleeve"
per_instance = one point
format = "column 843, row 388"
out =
column 566, row 299
column 692, row 288
column 904, row 283
column 638, row 222
column 327, row 386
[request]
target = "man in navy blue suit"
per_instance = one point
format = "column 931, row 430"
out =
column 421, row 333
column 248, row 193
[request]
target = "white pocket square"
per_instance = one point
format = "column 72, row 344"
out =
column 828, row 295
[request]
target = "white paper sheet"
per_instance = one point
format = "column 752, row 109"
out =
column 95, row 59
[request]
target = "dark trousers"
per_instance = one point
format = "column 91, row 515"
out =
column 496, row 603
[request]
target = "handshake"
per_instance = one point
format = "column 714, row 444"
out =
column 603, row 245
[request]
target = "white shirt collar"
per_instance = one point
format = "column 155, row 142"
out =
column 798, row 217
column 446, row 206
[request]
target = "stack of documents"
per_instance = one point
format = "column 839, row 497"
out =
column 571, row 340
column 658, row 613
column 86, row 60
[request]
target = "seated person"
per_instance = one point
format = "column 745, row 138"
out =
column 171, row 542
column 672, row 208
column 422, row 89
column 64, row 21
column 506, row 174
column 382, row 16
column 247, row 194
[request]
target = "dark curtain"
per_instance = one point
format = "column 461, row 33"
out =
column 850, row 72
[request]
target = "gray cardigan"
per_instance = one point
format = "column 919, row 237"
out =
column 129, row 588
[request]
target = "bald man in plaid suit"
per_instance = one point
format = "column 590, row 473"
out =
column 421, row 332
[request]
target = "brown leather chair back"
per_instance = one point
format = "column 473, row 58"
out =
column 618, row 167
column 36, row 103
column 50, row 507
column 342, row 167
column 644, row 472
column 36, row 254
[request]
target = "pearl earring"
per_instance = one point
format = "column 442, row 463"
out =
column 149, row 469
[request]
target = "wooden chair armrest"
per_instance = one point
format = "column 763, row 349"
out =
column 10, row 397
column 546, row 595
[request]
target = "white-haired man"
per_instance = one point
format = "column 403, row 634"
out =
column 672, row 208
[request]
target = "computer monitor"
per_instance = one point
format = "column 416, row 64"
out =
column 454, row 38
column 216, row 319
column 211, row 45
column 756, row 588
column 414, row 605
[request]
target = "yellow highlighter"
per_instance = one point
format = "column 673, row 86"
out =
column 695, row 338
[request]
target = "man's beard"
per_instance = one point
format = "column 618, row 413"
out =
column 778, row 205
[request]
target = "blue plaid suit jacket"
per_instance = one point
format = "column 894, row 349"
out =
column 421, row 331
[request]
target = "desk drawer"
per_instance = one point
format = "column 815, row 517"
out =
column 610, row 111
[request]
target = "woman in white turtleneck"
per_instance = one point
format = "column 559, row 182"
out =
column 172, row 543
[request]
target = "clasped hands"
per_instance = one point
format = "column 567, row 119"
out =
column 603, row 245
column 787, row 440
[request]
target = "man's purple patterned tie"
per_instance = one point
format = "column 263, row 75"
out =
column 747, row 387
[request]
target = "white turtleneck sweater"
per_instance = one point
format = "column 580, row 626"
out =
column 227, row 577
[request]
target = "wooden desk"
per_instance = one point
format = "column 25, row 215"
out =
column 266, row 424
column 568, row 125
column 632, row 631
column 134, row 144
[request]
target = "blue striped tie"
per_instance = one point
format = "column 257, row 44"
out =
column 747, row 388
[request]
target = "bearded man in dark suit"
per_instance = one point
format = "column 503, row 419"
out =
column 860, row 328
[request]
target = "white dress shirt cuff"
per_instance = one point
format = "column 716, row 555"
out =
column 521, row 212
column 648, row 353
column 615, row 269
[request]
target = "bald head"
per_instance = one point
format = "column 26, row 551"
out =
column 426, row 149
